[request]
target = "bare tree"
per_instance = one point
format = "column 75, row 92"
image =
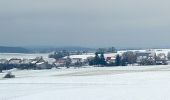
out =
column 161, row 59
column 168, row 56
column 68, row 62
column 1, row 68
column 129, row 57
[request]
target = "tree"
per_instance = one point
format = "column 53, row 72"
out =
column 168, row 56
column 112, row 50
column 102, row 59
column 161, row 59
column 118, row 60
column 96, row 59
column 124, row 62
column 58, row 55
column 91, row 61
column 129, row 57
column 147, row 61
column 1, row 68
column 100, row 50
column 68, row 62
column 78, row 63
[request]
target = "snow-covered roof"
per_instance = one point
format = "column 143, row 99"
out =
column 40, row 63
column 15, row 61
column 33, row 62
column 112, row 55
column 86, row 56
column 157, row 51
column 25, row 61
column 81, row 56
column 50, row 60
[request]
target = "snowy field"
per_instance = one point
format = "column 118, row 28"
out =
column 22, row 55
column 116, row 83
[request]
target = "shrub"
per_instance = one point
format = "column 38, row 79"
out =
column 9, row 75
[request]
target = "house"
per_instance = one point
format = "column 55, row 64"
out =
column 26, row 64
column 110, row 57
column 50, row 61
column 60, row 63
column 3, row 61
column 83, row 59
column 37, row 60
column 43, row 65
column 15, row 61
column 26, row 61
column 40, row 63
column 75, row 60
column 145, row 55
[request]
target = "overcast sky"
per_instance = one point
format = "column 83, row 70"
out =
column 89, row 23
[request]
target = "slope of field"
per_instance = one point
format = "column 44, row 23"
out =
column 118, row 83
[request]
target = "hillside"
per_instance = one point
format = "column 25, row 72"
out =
column 5, row 49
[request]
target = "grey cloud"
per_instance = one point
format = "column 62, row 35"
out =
column 121, row 23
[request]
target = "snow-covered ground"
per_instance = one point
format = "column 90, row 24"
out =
column 22, row 55
column 83, row 56
column 157, row 51
column 91, row 83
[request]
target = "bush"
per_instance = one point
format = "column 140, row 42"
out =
column 9, row 75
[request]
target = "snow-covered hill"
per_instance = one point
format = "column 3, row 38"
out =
column 114, row 83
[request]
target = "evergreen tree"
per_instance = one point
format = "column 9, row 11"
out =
column 102, row 59
column 96, row 59
column 118, row 60
column 1, row 68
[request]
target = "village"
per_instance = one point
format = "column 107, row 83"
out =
column 99, row 58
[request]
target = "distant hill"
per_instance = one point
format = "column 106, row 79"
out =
column 51, row 49
column 5, row 49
